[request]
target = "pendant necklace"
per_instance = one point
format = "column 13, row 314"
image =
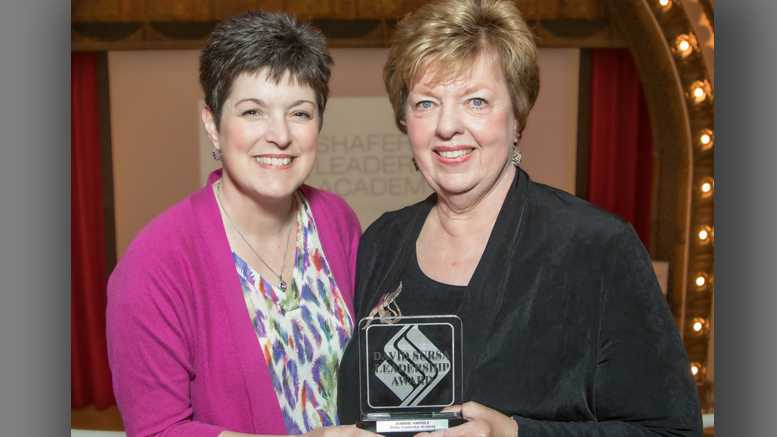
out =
column 281, row 284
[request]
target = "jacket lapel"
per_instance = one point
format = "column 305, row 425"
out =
column 489, row 281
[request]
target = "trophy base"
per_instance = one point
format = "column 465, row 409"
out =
column 408, row 424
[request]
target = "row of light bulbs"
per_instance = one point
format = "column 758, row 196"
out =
column 706, row 233
column 699, row 92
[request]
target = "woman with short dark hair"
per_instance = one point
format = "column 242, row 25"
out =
column 229, row 312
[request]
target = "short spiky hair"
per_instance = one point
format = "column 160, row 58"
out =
column 254, row 40
column 448, row 36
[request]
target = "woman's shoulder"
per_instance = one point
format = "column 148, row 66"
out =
column 392, row 223
column 169, row 232
column 560, row 210
column 161, row 258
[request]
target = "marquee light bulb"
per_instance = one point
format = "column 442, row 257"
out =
column 706, row 138
column 699, row 324
column 701, row 281
column 700, row 90
column 706, row 233
column 696, row 370
column 683, row 47
column 707, row 186
column 663, row 2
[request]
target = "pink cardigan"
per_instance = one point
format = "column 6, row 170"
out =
column 183, row 352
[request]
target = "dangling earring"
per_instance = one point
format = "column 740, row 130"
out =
column 516, row 158
column 414, row 163
column 216, row 154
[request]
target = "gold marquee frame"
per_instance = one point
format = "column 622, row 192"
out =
column 658, row 33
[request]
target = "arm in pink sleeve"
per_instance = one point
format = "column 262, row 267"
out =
column 149, row 348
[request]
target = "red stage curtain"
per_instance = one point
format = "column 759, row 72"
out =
column 620, row 174
column 90, row 377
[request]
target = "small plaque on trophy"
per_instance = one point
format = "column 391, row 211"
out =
column 409, row 369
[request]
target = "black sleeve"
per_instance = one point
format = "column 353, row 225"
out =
column 643, row 384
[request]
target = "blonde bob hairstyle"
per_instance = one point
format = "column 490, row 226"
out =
column 448, row 36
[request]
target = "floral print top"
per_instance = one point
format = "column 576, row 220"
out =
column 302, row 331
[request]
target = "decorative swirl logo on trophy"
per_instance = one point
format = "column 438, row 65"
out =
column 413, row 366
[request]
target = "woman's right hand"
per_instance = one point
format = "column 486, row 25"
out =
column 481, row 422
column 335, row 431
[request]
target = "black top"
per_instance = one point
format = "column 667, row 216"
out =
column 568, row 332
column 422, row 295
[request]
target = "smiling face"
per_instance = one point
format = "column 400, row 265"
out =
column 462, row 131
column 268, row 136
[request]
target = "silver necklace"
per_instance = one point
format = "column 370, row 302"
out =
column 282, row 284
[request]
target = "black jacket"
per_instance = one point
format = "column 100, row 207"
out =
column 565, row 325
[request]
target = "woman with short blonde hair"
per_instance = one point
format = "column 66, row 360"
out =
column 565, row 328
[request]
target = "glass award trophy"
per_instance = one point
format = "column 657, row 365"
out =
column 410, row 368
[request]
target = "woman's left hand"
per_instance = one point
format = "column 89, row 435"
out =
column 481, row 422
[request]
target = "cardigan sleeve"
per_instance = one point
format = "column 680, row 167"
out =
column 643, row 383
column 148, row 348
